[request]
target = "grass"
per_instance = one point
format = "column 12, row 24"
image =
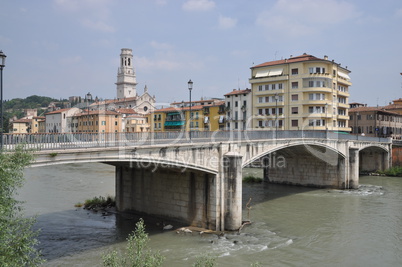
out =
column 98, row 203
column 252, row 179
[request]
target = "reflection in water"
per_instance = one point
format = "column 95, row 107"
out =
column 291, row 225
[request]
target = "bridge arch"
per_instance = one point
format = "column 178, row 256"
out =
column 373, row 158
column 308, row 164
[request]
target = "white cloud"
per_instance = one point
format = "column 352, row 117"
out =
column 161, row 64
column 161, row 2
column 94, row 14
column 304, row 17
column 98, row 25
column 198, row 5
column 161, row 46
column 226, row 22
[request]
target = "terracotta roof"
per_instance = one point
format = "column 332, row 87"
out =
column 39, row 117
column 378, row 109
column 393, row 106
column 197, row 107
column 239, row 92
column 110, row 101
column 97, row 112
column 301, row 58
column 58, row 111
column 126, row 111
column 196, row 101
column 22, row 121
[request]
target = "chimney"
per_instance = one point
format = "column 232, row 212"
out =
column 326, row 57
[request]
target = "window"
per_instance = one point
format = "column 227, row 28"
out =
column 295, row 110
column 280, row 85
column 295, row 85
column 295, row 123
column 236, row 104
column 260, row 100
column 295, row 71
column 266, row 87
column 273, row 86
column 316, row 96
column 260, row 111
column 295, row 97
column 115, row 123
column 316, row 70
column 260, row 123
column 103, row 122
column 260, row 88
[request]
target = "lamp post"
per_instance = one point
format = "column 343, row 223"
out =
column 190, row 87
column 2, row 65
column 89, row 97
column 276, row 112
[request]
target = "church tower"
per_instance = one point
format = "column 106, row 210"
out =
column 126, row 80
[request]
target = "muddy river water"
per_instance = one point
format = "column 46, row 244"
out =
column 292, row 226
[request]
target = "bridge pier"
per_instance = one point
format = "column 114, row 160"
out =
column 232, row 174
column 353, row 178
column 186, row 196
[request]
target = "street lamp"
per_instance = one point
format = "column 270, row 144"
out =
column 190, row 87
column 2, row 65
column 89, row 97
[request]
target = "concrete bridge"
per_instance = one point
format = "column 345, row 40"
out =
column 200, row 181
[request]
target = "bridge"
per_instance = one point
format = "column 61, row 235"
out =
column 199, row 181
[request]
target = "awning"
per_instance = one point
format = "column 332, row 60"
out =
column 262, row 73
column 275, row 72
column 174, row 123
column 344, row 75
column 173, row 113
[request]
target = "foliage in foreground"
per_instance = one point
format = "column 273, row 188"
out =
column 138, row 254
column 205, row 261
column 17, row 240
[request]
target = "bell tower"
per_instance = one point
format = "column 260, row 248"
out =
column 126, row 80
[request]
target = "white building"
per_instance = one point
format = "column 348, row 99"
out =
column 238, row 109
column 59, row 121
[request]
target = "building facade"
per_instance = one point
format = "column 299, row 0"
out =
column 96, row 121
column 207, row 116
column 303, row 92
column 59, row 121
column 375, row 122
column 238, row 110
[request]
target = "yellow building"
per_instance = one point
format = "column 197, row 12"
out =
column 21, row 126
column 303, row 92
column 136, row 123
column 36, row 124
column 96, row 121
column 204, row 117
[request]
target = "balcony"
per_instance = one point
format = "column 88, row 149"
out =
column 315, row 102
column 269, row 92
column 343, row 105
column 269, row 79
column 342, row 93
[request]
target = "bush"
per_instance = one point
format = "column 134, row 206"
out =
column 17, row 240
column 252, row 179
column 137, row 253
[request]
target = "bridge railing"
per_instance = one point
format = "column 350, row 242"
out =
column 53, row 141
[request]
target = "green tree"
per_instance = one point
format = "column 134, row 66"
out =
column 138, row 254
column 17, row 239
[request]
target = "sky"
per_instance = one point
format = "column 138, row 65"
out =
column 62, row 48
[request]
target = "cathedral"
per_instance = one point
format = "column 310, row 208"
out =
column 126, row 91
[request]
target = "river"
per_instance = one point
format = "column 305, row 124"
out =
column 292, row 226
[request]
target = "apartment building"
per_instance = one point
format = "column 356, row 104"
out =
column 302, row 92
column 376, row 122
column 238, row 109
column 59, row 121
column 96, row 121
